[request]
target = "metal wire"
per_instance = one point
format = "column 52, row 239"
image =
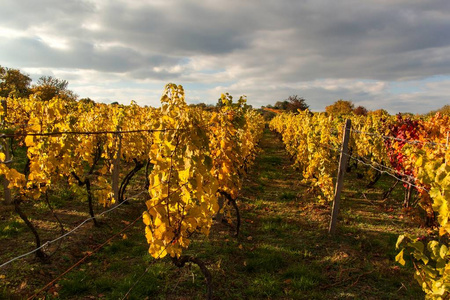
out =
column 71, row 231
column 390, row 172
column 83, row 259
column 5, row 135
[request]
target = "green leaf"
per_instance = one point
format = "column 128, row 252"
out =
column 417, row 245
column 422, row 257
column 433, row 247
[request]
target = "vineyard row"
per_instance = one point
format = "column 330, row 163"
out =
column 194, row 160
column 414, row 150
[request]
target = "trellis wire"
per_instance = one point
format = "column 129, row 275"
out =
column 71, row 231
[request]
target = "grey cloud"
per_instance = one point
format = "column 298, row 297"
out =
column 366, row 36
column 263, row 42
column 180, row 30
column 23, row 14
column 152, row 74
column 81, row 55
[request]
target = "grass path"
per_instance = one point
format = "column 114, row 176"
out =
column 283, row 251
column 287, row 252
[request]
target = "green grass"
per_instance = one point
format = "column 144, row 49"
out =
column 12, row 229
column 278, row 225
column 264, row 285
column 76, row 283
column 265, row 260
column 288, row 196
column 79, row 284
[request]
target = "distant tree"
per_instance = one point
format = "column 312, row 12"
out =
column 297, row 103
column 200, row 105
column 445, row 110
column 407, row 114
column 49, row 87
column 14, row 83
column 340, row 107
column 379, row 113
column 283, row 105
column 292, row 103
column 204, row 106
column 360, row 111
column 267, row 114
column 87, row 100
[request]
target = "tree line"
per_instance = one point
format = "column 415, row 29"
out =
column 14, row 83
column 341, row 107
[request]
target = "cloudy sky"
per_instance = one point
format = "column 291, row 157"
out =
column 392, row 54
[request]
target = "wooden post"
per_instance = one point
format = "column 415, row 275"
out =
column 340, row 177
column 5, row 148
column 115, row 171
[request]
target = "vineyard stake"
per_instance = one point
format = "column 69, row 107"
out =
column 340, row 177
